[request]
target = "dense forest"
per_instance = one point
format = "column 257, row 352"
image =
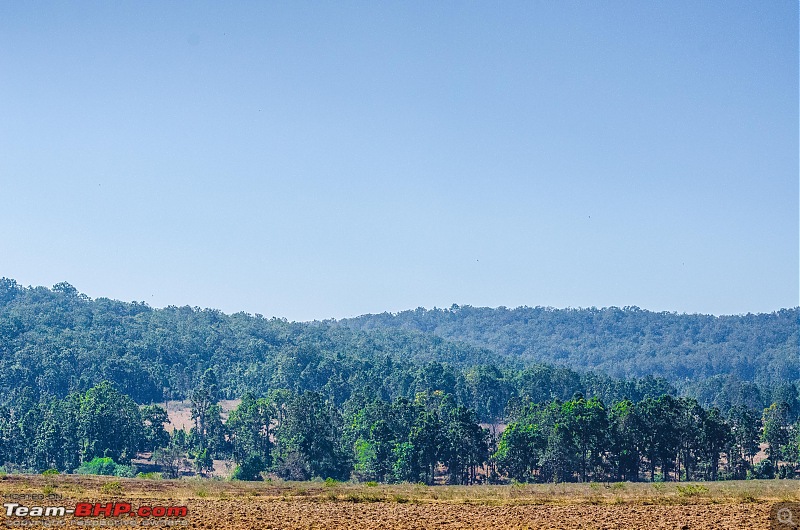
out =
column 628, row 342
column 462, row 393
column 55, row 341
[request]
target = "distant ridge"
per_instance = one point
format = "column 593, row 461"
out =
column 627, row 342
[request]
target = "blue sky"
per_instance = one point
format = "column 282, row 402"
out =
column 317, row 160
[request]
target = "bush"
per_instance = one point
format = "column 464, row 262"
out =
column 293, row 466
column 105, row 466
column 249, row 469
column 763, row 469
column 691, row 490
column 785, row 472
column 50, row 472
column 111, row 488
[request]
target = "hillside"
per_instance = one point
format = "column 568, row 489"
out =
column 628, row 342
column 56, row 341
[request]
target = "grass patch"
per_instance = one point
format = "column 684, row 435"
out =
column 111, row 488
column 746, row 497
column 692, row 490
column 363, row 497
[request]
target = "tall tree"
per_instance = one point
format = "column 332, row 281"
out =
column 776, row 430
column 110, row 424
column 203, row 398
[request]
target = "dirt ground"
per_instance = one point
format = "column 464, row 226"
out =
column 259, row 514
column 180, row 413
column 213, row 504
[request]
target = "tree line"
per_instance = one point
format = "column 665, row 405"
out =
column 430, row 438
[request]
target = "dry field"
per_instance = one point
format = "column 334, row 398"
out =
column 236, row 505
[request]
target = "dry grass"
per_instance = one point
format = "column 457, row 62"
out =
column 226, row 505
column 627, row 493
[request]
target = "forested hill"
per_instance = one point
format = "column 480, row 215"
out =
column 56, row 341
column 59, row 340
column 628, row 342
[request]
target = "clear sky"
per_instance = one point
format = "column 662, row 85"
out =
column 328, row 159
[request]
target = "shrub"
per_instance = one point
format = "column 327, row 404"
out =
column 293, row 466
column 105, row 466
column 763, row 469
column 249, row 469
column 112, row 488
column 691, row 490
column 785, row 472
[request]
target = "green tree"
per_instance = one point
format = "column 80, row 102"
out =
column 715, row 436
column 464, row 445
column 623, row 453
column 587, row 423
column 690, row 420
column 154, row 435
column 776, row 430
column 249, row 469
column 110, row 424
column 249, row 427
column 558, row 460
column 657, row 428
column 203, row 400
column 309, row 437
column 518, row 451
column 203, row 463
column 405, row 467
column 425, row 437
column 744, row 442
column 172, row 457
